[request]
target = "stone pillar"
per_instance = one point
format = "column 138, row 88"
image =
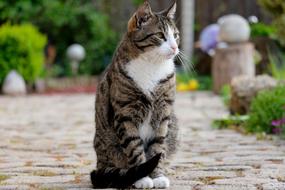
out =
column 187, row 23
column 233, row 61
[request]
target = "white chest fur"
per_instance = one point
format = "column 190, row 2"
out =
column 146, row 132
column 147, row 73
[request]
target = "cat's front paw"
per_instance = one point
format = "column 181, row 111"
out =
column 161, row 182
column 144, row 183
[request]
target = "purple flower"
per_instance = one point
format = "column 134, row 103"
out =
column 278, row 123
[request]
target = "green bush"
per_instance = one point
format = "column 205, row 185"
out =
column 22, row 49
column 262, row 30
column 267, row 107
column 67, row 22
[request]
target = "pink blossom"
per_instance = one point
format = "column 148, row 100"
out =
column 278, row 123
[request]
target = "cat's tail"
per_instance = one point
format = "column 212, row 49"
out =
column 123, row 178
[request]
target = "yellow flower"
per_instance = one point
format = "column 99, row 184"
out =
column 182, row 87
column 193, row 84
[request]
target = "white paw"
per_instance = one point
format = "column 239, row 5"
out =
column 161, row 182
column 144, row 183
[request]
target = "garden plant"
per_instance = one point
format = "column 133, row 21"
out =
column 22, row 49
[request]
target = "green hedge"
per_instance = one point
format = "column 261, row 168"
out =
column 22, row 49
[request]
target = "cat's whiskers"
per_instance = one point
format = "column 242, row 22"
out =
column 186, row 62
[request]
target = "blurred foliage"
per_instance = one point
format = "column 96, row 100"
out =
column 233, row 122
column 277, row 9
column 67, row 22
column 138, row 2
column 262, row 30
column 226, row 94
column 269, row 105
column 277, row 63
column 205, row 82
column 22, row 49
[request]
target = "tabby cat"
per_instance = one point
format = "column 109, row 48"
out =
column 135, row 123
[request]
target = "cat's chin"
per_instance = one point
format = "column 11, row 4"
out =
column 170, row 57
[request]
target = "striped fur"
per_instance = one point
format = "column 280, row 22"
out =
column 135, row 120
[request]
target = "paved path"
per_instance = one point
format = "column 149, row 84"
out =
column 46, row 144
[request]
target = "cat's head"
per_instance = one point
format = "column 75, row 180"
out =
column 154, row 32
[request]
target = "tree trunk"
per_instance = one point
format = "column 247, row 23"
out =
column 230, row 62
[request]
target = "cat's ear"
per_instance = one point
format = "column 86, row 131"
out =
column 140, row 18
column 171, row 11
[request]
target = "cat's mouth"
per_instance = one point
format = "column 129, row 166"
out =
column 171, row 55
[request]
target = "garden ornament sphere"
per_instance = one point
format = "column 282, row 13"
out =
column 253, row 19
column 234, row 29
column 75, row 54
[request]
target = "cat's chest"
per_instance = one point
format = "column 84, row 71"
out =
column 147, row 74
column 146, row 131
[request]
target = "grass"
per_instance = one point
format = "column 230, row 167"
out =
column 230, row 122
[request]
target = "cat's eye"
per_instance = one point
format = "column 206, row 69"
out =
column 161, row 36
column 176, row 35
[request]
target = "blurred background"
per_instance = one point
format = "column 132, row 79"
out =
column 62, row 45
column 230, row 75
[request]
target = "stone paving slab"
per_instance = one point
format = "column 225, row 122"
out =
column 46, row 144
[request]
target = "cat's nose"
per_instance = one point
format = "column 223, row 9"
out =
column 174, row 47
